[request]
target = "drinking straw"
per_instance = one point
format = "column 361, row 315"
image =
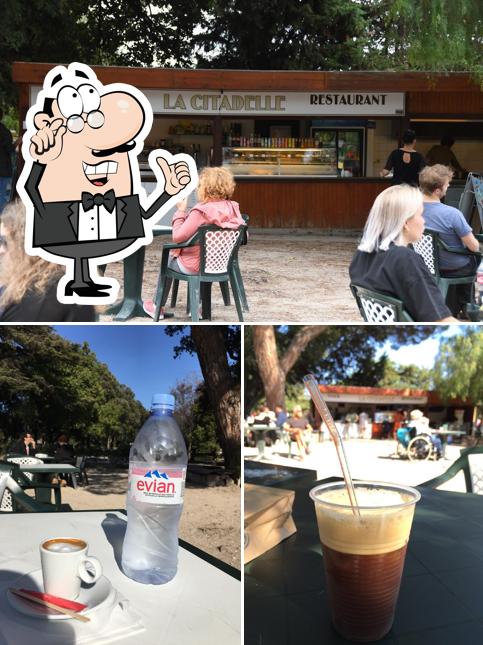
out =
column 311, row 384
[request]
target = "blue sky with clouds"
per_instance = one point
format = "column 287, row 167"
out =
column 421, row 354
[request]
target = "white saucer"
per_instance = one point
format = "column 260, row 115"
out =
column 98, row 597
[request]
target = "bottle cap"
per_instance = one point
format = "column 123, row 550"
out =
column 164, row 400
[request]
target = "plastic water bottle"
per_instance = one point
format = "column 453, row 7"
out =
column 479, row 285
column 157, row 473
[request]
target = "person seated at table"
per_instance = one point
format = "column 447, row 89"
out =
column 25, row 445
column 386, row 263
column 215, row 206
column 280, row 417
column 29, row 283
column 63, row 453
column 295, row 426
column 454, row 230
column 421, row 425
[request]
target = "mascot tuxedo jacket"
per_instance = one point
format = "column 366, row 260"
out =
column 58, row 222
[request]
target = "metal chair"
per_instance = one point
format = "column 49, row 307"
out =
column 218, row 248
column 379, row 308
column 223, row 285
column 470, row 462
column 428, row 248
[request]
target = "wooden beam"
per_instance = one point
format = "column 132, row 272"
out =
column 258, row 80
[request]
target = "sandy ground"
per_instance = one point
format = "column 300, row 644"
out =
column 210, row 519
column 368, row 459
column 289, row 275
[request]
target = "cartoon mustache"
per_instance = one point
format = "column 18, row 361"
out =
column 123, row 147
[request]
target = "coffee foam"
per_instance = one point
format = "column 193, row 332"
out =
column 64, row 545
column 378, row 530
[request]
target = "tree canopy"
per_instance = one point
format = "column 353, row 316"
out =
column 457, row 371
column 49, row 386
column 335, row 354
column 219, row 353
column 433, row 35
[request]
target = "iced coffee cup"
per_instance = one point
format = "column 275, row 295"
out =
column 364, row 556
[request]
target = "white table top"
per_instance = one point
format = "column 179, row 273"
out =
column 200, row 606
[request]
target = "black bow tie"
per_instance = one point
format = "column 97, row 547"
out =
column 108, row 200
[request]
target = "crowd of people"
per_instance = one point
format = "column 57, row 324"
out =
column 299, row 426
column 386, row 262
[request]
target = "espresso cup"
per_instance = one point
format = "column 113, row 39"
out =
column 65, row 564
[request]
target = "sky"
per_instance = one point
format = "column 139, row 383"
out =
column 422, row 354
column 140, row 356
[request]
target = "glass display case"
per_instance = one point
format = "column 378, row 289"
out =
column 281, row 161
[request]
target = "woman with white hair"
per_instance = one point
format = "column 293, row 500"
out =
column 385, row 261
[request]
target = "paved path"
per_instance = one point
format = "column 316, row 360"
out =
column 368, row 459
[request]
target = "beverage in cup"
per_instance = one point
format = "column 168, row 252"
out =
column 364, row 555
column 65, row 564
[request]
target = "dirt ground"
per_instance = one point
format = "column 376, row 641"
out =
column 210, row 519
column 289, row 275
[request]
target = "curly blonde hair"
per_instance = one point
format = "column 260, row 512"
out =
column 215, row 183
column 20, row 272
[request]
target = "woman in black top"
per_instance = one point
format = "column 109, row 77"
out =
column 28, row 291
column 386, row 263
column 406, row 163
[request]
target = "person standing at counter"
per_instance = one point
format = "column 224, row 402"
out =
column 406, row 163
column 442, row 154
column 454, row 230
column 386, row 263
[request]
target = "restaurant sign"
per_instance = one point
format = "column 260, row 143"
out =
column 317, row 104
column 342, row 397
column 277, row 103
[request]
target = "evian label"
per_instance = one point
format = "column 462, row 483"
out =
column 157, row 486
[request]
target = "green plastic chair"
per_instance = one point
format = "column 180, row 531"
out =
column 225, row 291
column 13, row 499
column 27, row 482
column 218, row 250
column 470, row 462
column 428, row 248
column 379, row 308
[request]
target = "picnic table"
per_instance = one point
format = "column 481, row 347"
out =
column 259, row 430
column 442, row 585
column 444, row 434
column 41, row 473
column 200, row 606
column 131, row 304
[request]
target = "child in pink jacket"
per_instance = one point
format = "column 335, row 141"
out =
column 215, row 188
